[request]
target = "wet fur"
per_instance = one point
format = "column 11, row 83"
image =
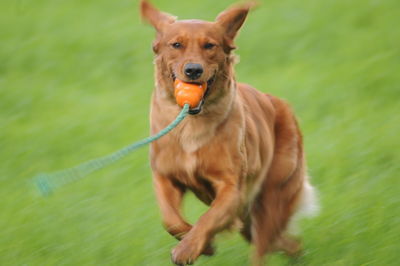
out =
column 242, row 155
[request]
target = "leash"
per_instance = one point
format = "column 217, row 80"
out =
column 47, row 182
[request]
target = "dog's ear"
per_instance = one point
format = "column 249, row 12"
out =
column 231, row 20
column 154, row 16
column 157, row 19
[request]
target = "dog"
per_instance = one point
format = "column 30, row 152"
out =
column 240, row 151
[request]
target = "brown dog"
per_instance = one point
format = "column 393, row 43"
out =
column 240, row 151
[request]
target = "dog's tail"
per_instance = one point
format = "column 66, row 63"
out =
column 308, row 207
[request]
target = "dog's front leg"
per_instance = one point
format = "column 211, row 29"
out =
column 221, row 214
column 169, row 197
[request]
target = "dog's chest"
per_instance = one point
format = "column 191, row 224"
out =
column 174, row 162
column 181, row 155
column 188, row 171
column 188, row 164
column 194, row 134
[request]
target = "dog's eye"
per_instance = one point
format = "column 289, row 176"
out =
column 209, row 46
column 176, row 45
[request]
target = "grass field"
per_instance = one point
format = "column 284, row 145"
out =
column 75, row 82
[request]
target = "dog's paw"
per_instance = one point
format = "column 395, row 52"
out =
column 208, row 250
column 187, row 251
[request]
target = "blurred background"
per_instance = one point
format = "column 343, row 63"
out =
column 75, row 83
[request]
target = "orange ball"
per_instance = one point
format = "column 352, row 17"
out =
column 189, row 93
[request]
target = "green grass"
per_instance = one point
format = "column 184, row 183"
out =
column 75, row 83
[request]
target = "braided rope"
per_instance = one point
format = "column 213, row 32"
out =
column 47, row 182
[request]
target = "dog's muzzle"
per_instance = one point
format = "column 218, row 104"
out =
column 198, row 108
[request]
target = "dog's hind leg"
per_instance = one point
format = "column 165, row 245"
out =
column 271, row 214
column 288, row 244
column 280, row 192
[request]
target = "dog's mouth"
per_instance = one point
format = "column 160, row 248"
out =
column 198, row 108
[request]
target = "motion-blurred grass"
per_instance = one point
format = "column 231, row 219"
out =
column 75, row 82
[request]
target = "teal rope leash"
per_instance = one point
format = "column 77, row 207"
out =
column 47, row 182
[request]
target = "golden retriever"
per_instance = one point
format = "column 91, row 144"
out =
column 240, row 151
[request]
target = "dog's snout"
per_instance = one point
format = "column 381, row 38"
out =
column 193, row 71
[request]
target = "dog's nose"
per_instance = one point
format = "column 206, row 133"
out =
column 193, row 71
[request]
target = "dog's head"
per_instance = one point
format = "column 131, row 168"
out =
column 194, row 51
